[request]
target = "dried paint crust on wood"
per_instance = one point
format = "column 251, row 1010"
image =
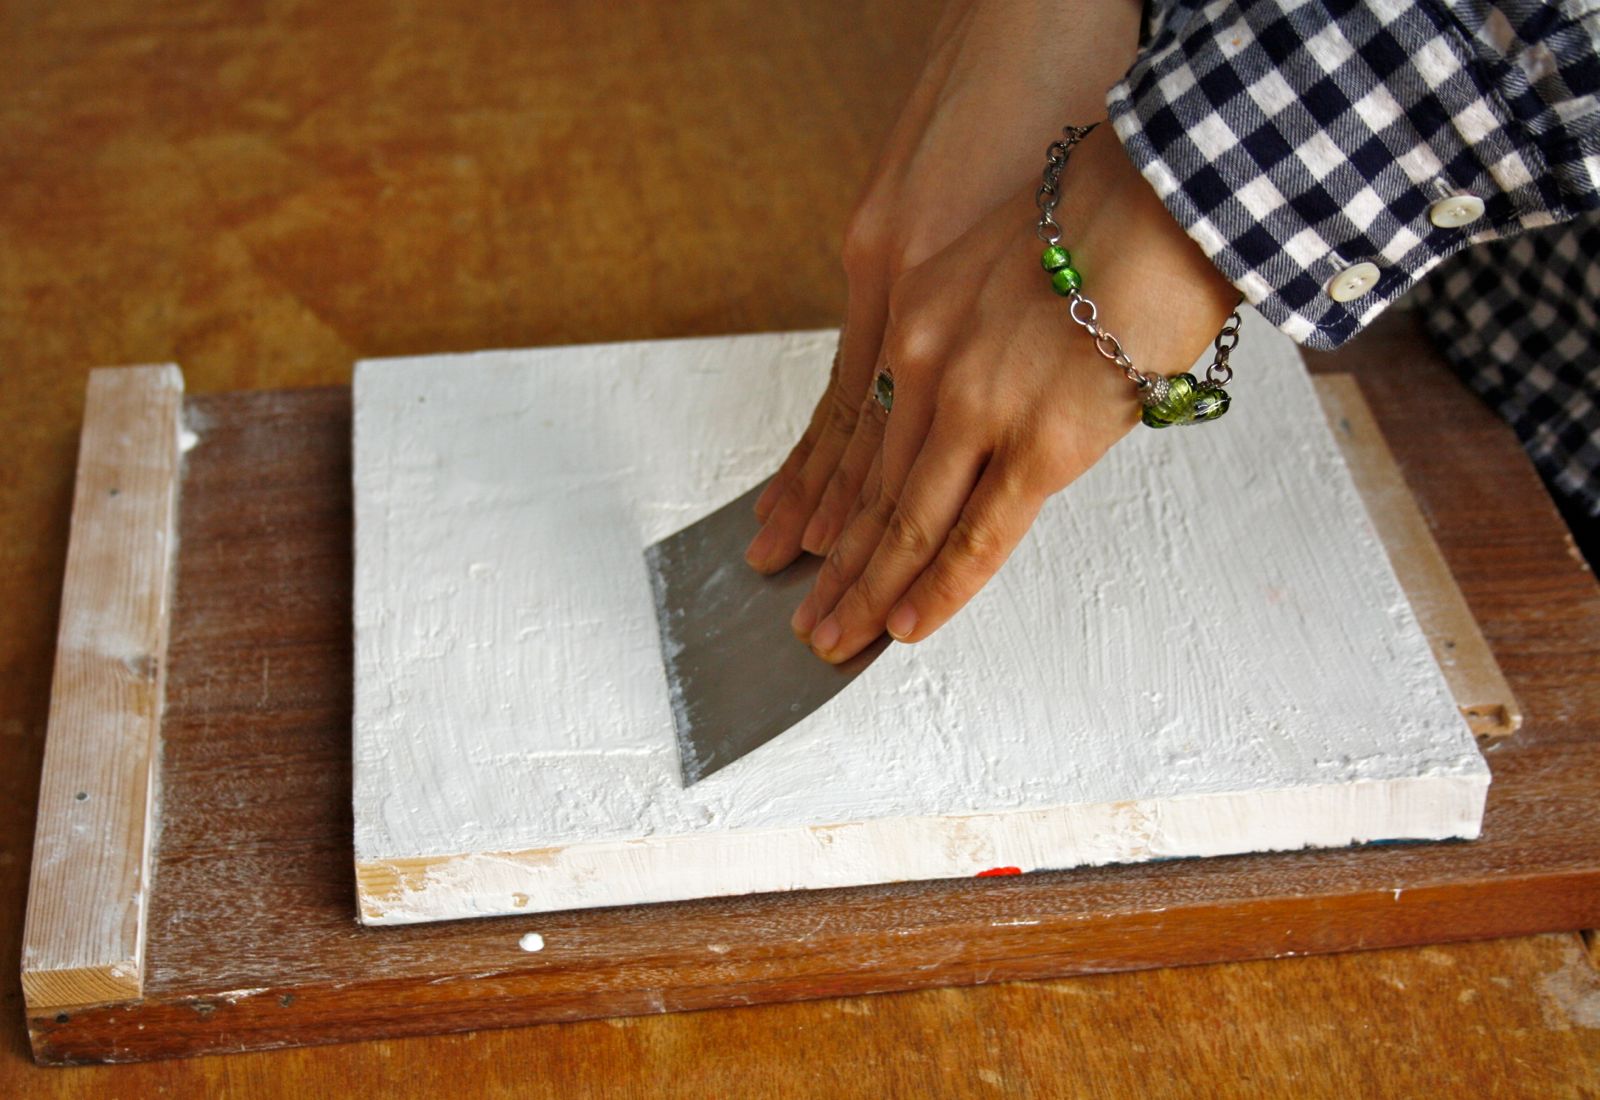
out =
column 1143, row 681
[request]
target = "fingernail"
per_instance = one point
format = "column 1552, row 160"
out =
column 902, row 621
column 813, row 541
column 826, row 635
column 760, row 548
column 805, row 617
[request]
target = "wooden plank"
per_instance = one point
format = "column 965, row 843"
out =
column 84, row 941
column 1458, row 644
column 257, row 779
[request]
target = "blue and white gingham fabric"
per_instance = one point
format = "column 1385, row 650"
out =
column 1295, row 139
column 1519, row 319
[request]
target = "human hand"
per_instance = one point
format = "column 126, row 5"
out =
column 1001, row 77
column 1000, row 400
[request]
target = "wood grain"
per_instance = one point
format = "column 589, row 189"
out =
column 257, row 773
column 85, row 935
column 1458, row 644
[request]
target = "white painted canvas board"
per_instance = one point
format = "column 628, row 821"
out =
column 1199, row 649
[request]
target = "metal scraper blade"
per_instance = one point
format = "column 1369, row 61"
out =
column 736, row 674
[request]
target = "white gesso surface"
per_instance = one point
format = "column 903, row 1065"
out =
column 1200, row 648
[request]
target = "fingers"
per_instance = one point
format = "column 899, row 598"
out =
column 891, row 543
column 870, row 488
column 903, row 439
column 791, row 499
column 998, row 514
column 792, row 464
column 913, row 582
column 844, row 487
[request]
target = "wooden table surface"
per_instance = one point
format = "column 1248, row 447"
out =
column 265, row 193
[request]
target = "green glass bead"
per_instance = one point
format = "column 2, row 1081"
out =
column 1055, row 258
column 883, row 390
column 1066, row 281
column 1211, row 403
column 1187, row 402
column 1170, row 409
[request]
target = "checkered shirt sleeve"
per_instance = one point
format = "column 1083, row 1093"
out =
column 1298, row 142
column 1519, row 320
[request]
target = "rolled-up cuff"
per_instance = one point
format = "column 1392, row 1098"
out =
column 1325, row 163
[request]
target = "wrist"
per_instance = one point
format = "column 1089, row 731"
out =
column 1152, row 284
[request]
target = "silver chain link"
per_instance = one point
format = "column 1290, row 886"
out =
column 1219, row 371
column 1081, row 309
column 1049, row 192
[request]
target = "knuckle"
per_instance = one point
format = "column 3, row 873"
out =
column 975, row 545
column 835, row 491
column 882, row 508
column 915, row 339
column 842, row 411
column 866, row 240
column 911, row 346
column 946, row 586
column 832, row 575
column 840, row 491
column 863, row 595
column 865, row 495
column 907, row 535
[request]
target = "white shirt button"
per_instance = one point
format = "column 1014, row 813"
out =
column 1456, row 211
column 1353, row 282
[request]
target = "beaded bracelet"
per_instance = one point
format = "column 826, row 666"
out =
column 1181, row 399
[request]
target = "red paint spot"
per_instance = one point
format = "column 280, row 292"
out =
column 993, row 871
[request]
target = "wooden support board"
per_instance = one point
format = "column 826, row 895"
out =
column 1479, row 687
column 253, row 941
column 85, row 934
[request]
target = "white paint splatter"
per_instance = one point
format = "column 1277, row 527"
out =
column 531, row 941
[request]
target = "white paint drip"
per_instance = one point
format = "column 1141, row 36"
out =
column 1172, row 664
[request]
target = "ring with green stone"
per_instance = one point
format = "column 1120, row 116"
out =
column 883, row 390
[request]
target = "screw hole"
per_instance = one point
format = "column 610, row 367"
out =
column 61, row 1017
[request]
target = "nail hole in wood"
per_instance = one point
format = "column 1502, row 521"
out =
column 114, row 492
column 61, row 1017
column 81, row 795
